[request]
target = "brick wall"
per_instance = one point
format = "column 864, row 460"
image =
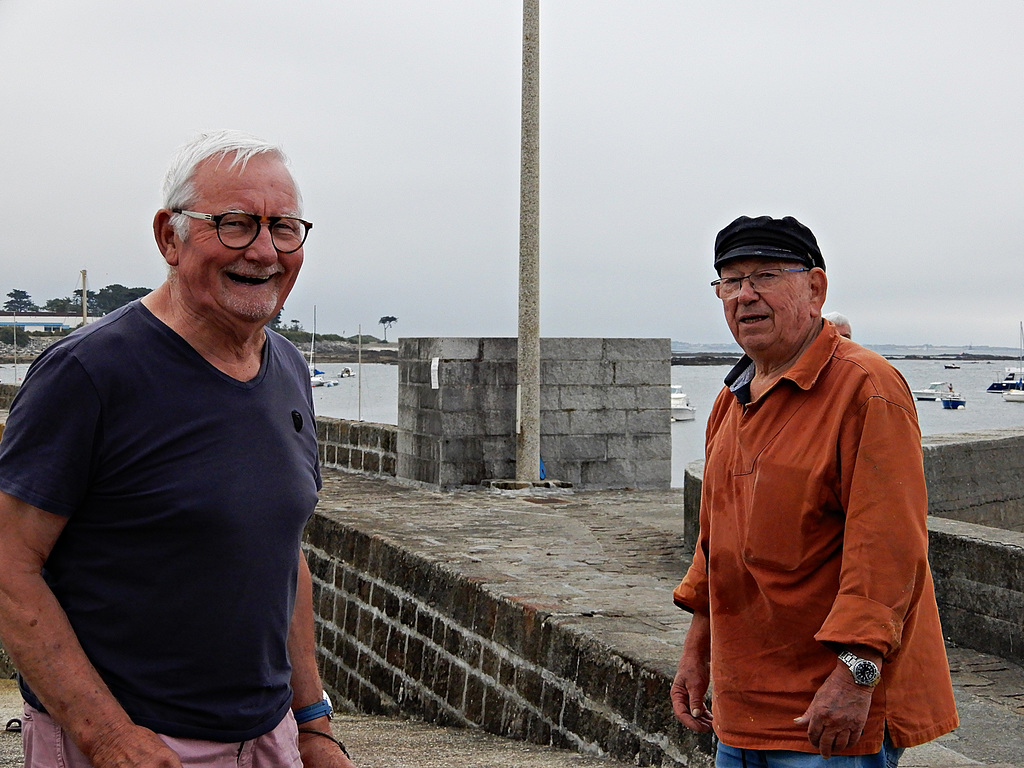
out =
column 397, row 633
column 357, row 445
column 604, row 411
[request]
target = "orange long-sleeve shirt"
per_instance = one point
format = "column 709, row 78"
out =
column 812, row 532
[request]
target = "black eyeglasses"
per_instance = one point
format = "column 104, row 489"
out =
column 240, row 230
column 762, row 281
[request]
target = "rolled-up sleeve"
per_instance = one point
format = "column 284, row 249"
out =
column 885, row 539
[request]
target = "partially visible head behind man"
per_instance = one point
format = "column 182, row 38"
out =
column 235, row 147
column 841, row 322
column 784, row 239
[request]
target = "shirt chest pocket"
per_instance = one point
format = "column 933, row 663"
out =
column 782, row 517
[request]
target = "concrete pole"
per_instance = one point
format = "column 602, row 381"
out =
column 528, row 388
column 85, row 301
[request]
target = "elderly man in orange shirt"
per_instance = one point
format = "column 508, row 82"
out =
column 814, row 613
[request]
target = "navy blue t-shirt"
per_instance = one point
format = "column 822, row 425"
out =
column 186, row 492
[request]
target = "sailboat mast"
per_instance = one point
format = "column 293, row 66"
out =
column 312, row 343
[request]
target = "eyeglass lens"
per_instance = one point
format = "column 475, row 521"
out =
column 763, row 281
column 238, row 230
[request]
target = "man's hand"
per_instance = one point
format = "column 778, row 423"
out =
column 132, row 746
column 688, row 690
column 835, row 720
column 319, row 752
column 693, row 675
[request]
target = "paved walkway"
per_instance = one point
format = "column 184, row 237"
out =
column 609, row 559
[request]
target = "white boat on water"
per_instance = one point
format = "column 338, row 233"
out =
column 316, row 377
column 681, row 410
column 1013, row 395
column 1014, row 392
column 933, row 391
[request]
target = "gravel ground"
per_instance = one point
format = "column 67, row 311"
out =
column 378, row 742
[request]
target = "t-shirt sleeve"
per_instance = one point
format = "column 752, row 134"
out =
column 49, row 441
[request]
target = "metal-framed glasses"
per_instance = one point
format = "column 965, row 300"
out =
column 240, row 230
column 762, row 281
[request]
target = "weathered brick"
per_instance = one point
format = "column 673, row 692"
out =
column 414, row 657
column 551, row 701
column 474, row 702
column 396, row 648
column 529, row 685
column 456, row 686
column 379, row 640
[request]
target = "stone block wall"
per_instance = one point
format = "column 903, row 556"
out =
column 362, row 446
column 976, row 478
column 397, row 633
column 979, row 585
column 604, row 411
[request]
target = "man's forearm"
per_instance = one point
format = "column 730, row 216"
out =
column 306, row 685
column 40, row 640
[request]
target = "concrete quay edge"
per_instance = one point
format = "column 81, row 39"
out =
column 607, row 561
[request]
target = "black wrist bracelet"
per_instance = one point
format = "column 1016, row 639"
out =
column 327, row 736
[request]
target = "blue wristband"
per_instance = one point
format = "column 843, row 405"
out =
column 321, row 708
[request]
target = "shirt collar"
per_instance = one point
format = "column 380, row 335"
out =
column 739, row 378
column 804, row 372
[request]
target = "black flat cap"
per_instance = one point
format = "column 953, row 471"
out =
column 768, row 238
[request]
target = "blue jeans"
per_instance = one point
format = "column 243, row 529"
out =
column 730, row 757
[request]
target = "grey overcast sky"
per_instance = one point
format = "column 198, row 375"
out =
column 893, row 128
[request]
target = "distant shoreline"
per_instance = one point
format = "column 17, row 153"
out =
column 702, row 358
column 331, row 353
column 387, row 356
column 326, row 352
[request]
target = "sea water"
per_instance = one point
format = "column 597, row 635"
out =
column 984, row 410
column 372, row 395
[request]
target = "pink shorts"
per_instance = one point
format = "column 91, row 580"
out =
column 47, row 745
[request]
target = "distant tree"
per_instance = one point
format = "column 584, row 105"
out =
column 72, row 305
column 115, row 296
column 387, row 321
column 63, row 306
column 276, row 322
column 10, row 336
column 295, row 325
column 20, row 301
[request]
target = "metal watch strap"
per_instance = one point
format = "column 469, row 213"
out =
column 856, row 663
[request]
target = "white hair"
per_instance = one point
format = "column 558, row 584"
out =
column 837, row 318
column 179, row 182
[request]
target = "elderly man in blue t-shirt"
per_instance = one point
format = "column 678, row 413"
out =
column 156, row 472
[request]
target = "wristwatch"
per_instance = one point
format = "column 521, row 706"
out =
column 864, row 672
column 313, row 711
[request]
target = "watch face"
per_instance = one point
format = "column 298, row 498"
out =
column 864, row 672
